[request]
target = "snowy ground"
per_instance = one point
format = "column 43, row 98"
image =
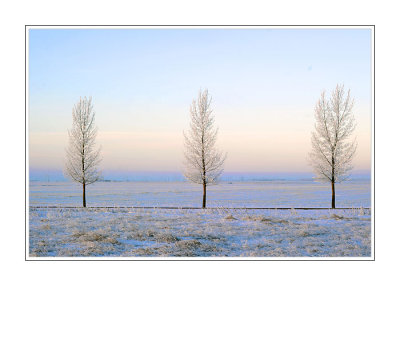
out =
column 275, row 193
column 205, row 233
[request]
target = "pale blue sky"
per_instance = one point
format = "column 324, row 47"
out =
column 264, row 83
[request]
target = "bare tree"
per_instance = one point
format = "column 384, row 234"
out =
column 203, row 162
column 82, row 155
column 332, row 151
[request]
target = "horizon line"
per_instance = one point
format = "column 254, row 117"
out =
column 37, row 169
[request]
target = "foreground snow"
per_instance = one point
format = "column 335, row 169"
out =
column 205, row 233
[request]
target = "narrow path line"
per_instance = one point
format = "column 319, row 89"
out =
column 208, row 208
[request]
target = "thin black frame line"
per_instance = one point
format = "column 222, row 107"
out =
column 205, row 25
column 25, row 195
column 27, row 259
column 373, row 33
column 198, row 259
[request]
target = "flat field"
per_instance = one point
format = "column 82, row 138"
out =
column 274, row 193
column 221, row 231
column 205, row 233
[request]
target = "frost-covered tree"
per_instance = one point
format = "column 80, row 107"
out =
column 203, row 161
column 332, row 150
column 82, row 155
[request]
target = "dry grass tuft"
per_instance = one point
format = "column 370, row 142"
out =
column 189, row 244
column 46, row 227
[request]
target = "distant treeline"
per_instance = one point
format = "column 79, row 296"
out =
column 57, row 175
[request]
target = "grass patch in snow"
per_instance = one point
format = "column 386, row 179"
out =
column 208, row 233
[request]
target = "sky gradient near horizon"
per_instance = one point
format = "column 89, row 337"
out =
column 264, row 84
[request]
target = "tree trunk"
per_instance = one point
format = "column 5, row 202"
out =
column 333, row 194
column 204, row 194
column 84, row 195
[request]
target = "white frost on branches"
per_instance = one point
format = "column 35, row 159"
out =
column 203, row 161
column 332, row 152
column 83, row 157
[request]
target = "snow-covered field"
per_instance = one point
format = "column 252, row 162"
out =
column 236, row 194
column 211, row 232
column 218, row 232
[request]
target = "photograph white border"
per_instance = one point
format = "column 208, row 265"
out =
column 94, row 27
